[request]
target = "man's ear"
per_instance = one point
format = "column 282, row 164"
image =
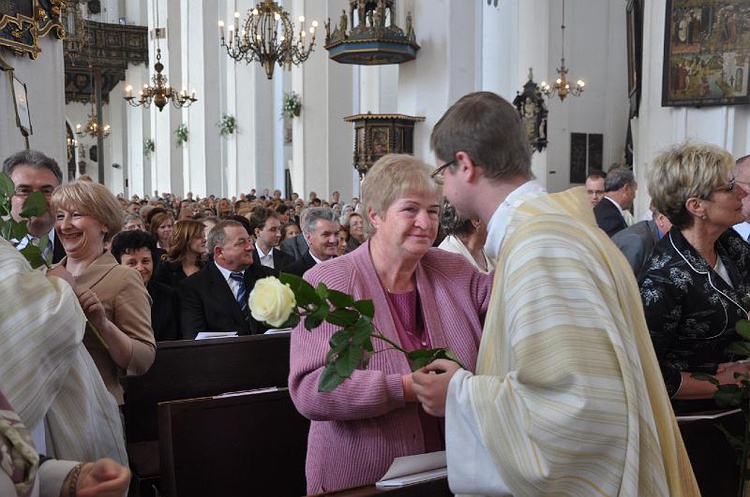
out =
column 467, row 167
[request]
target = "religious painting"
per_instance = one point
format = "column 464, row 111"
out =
column 707, row 53
column 380, row 141
column 532, row 109
column 23, row 115
column 23, row 22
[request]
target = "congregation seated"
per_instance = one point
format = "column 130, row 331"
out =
column 135, row 249
column 113, row 297
column 320, row 228
column 266, row 227
column 160, row 227
column 215, row 298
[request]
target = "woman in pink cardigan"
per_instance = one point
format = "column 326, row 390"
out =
column 424, row 298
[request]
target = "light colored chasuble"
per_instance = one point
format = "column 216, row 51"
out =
column 568, row 399
column 46, row 373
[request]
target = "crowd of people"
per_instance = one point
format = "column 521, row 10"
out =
column 574, row 356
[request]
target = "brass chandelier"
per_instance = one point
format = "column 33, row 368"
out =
column 562, row 87
column 92, row 129
column 268, row 36
column 159, row 92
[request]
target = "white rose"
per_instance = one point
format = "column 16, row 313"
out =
column 271, row 301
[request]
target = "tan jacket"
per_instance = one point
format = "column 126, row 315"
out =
column 128, row 305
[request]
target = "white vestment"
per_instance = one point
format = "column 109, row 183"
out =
column 568, row 399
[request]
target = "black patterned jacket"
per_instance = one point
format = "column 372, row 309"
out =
column 690, row 310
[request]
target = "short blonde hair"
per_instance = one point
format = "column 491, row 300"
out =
column 91, row 199
column 392, row 177
column 683, row 171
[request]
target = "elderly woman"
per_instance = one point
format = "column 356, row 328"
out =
column 465, row 237
column 113, row 297
column 698, row 274
column 424, row 298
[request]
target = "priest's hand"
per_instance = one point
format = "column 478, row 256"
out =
column 431, row 385
column 103, row 478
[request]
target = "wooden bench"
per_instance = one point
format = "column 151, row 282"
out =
column 251, row 444
column 433, row 488
column 188, row 369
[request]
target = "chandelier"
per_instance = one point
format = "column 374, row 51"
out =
column 268, row 36
column 92, row 128
column 562, row 86
column 159, row 92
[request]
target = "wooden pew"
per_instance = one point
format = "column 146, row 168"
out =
column 188, row 369
column 233, row 446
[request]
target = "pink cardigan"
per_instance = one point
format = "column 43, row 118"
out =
column 358, row 429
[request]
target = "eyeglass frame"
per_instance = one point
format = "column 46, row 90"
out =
column 438, row 173
column 728, row 188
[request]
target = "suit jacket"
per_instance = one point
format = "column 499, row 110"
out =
column 636, row 243
column 58, row 251
column 296, row 246
column 301, row 265
column 608, row 217
column 208, row 304
column 280, row 259
column 165, row 311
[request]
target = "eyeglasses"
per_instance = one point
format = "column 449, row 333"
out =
column 727, row 188
column 25, row 191
column 438, row 173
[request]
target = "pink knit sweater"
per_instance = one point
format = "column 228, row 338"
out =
column 358, row 429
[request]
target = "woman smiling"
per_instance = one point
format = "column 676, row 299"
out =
column 113, row 297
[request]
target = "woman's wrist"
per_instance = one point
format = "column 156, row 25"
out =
column 70, row 487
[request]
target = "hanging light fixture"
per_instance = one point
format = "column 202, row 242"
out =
column 92, row 128
column 159, row 92
column 562, row 87
column 268, row 36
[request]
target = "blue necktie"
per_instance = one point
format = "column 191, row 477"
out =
column 242, row 292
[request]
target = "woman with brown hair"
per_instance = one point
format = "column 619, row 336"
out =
column 186, row 254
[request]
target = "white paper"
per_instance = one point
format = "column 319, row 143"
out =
column 414, row 469
column 204, row 335
column 698, row 417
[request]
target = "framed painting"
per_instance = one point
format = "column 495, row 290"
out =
column 635, row 53
column 706, row 53
column 21, row 99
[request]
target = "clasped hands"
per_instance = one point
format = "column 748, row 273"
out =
column 429, row 385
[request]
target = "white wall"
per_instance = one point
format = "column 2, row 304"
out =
column 44, row 79
column 658, row 127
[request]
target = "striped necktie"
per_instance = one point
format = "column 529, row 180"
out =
column 241, row 296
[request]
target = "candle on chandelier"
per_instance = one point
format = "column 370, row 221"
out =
column 129, row 91
column 221, row 29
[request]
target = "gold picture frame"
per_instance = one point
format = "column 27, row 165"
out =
column 21, row 101
column 21, row 29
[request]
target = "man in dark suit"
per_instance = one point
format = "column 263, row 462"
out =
column 321, row 230
column 33, row 171
column 265, row 225
column 620, row 187
column 636, row 242
column 215, row 298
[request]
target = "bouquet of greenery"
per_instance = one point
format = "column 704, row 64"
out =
column 736, row 394
column 282, row 302
column 292, row 105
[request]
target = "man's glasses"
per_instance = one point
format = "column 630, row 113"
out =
column 25, row 191
column 438, row 173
